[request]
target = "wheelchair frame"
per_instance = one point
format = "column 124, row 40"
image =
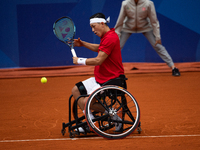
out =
column 105, row 124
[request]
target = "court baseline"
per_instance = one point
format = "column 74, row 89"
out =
column 93, row 138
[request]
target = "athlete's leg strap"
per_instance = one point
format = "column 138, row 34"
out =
column 81, row 88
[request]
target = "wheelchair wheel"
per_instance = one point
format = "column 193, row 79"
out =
column 121, row 112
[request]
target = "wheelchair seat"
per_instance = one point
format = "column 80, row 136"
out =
column 119, row 81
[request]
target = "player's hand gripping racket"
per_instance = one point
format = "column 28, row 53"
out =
column 64, row 29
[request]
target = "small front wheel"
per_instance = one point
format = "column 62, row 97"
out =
column 63, row 131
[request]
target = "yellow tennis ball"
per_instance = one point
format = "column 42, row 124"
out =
column 43, row 79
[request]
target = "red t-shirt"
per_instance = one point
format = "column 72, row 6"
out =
column 112, row 67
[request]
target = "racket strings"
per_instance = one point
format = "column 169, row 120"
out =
column 64, row 29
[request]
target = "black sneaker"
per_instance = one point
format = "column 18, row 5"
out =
column 175, row 72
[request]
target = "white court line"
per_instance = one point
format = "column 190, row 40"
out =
column 93, row 138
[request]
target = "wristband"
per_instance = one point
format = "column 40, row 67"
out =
column 81, row 61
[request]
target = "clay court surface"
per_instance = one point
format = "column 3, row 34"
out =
column 32, row 113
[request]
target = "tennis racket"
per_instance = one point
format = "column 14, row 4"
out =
column 64, row 29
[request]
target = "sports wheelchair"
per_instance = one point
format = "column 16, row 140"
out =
column 116, row 100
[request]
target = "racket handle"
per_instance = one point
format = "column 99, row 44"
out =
column 73, row 52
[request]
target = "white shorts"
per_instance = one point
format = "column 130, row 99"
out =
column 91, row 85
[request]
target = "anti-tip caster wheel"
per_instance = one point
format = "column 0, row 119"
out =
column 139, row 130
